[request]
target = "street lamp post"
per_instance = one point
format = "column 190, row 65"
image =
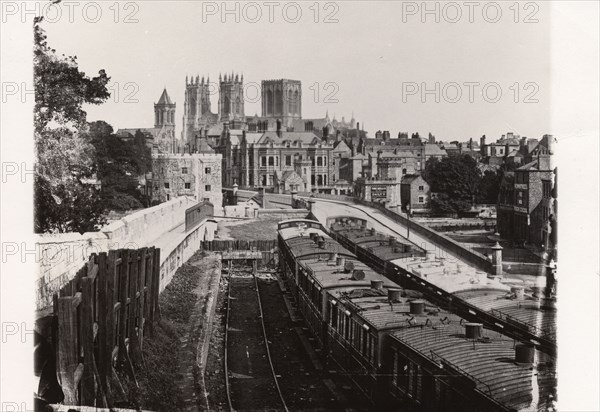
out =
column 407, row 221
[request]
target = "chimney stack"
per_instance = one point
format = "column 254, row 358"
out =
column 417, row 307
column 377, row 284
column 524, row 353
column 473, row 330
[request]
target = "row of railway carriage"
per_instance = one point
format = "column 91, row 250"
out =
column 400, row 349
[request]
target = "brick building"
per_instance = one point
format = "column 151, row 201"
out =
column 415, row 192
column 527, row 199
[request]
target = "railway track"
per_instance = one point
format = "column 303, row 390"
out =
column 250, row 379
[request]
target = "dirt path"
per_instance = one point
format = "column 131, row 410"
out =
column 191, row 345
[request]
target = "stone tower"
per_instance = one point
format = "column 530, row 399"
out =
column 282, row 99
column 164, row 112
column 231, row 97
column 164, row 122
column 196, row 108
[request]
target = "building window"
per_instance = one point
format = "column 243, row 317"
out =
column 319, row 161
column 546, row 189
column 288, row 160
column 207, row 170
column 421, row 199
column 403, row 171
column 263, row 160
column 207, row 188
column 167, row 185
column 184, row 170
column 188, row 185
column 271, row 161
column 421, row 188
column 264, row 180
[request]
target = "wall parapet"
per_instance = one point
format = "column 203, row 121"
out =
column 60, row 255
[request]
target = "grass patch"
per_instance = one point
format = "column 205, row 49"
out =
column 259, row 229
column 158, row 380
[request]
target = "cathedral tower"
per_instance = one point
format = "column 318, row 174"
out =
column 164, row 123
column 196, row 108
column 282, row 99
column 164, row 111
column 231, row 97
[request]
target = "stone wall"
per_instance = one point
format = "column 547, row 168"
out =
column 183, row 249
column 60, row 256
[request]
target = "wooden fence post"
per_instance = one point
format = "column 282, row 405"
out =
column 133, row 301
column 89, row 382
column 149, row 311
column 156, row 279
column 68, row 345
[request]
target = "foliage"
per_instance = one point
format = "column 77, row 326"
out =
column 456, row 181
column 65, row 198
column 489, row 187
column 119, row 164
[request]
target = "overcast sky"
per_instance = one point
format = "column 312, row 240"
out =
column 375, row 60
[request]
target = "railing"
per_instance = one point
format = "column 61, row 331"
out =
column 435, row 357
column 111, row 304
column 548, row 333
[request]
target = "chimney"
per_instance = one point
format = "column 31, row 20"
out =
column 378, row 134
column 417, row 307
column 524, row 353
column 332, row 257
column 518, row 291
column 348, row 267
column 325, row 132
column 394, row 295
column 377, row 284
column 358, row 274
column 473, row 330
column 386, row 135
column 340, row 261
column 471, row 143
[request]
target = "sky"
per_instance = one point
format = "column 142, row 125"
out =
column 485, row 73
column 368, row 53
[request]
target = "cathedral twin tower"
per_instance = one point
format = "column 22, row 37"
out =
column 281, row 100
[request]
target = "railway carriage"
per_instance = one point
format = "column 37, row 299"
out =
column 401, row 349
column 512, row 308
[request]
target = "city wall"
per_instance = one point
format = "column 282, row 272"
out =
column 471, row 256
column 60, row 256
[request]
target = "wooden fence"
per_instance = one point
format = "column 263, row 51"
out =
column 101, row 318
column 267, row 247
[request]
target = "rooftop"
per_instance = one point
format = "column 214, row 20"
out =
column 488, row 362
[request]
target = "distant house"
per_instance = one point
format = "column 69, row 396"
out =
column 527, row 200
column 287, row 181
column 415, row 192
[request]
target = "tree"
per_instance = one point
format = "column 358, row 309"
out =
column 489, row 187
column 456, row 181
column 65, row 164
column 120, row 163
